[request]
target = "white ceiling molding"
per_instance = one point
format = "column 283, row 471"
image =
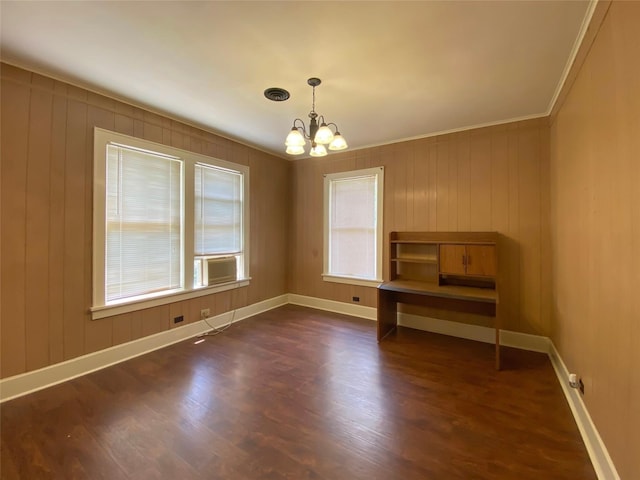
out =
column 391, row 71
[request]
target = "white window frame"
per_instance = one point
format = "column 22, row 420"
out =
column 100, row 309
column 328, row 179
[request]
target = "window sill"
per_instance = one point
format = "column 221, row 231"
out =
column 351, row 280
column 111, row 310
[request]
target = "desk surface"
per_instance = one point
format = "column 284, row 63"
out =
column 446, row 291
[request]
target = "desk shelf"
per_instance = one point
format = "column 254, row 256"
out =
column 416, row 259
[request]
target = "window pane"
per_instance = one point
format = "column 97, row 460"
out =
column 352, row 227
column 218, row 211
column 143, row 224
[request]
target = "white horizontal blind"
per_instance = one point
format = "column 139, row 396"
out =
column 218, row 211
column 352, row 226
column 143, row 223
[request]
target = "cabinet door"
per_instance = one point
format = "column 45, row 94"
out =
column 452, row 259
column 481, row 260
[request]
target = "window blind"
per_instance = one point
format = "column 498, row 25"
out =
column 352, row 226
column 143, row 223
column 218, row 211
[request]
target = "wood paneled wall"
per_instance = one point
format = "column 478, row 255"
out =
column 488, row 179
column 595, row 198
column 46, row 252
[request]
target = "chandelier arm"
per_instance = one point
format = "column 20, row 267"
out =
column 302, row 126
column 331, row 123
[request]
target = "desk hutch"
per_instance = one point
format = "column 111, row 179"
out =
column 447, row 270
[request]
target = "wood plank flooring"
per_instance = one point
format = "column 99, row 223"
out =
column 296, row 393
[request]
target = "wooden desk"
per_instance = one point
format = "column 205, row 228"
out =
column 451, row 297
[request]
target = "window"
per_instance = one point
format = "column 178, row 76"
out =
column 143, row 238
column 218, row 218
column 160, row 215
column 353, row 226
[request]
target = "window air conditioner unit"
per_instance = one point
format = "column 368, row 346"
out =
column 220, row 270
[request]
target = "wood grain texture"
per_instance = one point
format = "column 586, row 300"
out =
column 297, row 393
column 489, row 179
column 47, row 189
column 15, row 125
column 595, row 204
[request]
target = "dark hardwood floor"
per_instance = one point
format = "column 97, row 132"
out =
column 297, row 393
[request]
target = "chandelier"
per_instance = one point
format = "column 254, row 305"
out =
column 318, row 134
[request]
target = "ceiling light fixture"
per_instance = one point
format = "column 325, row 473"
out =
column 319, row 135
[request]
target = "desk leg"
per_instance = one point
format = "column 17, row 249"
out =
column 497, row 321
column 387, row 313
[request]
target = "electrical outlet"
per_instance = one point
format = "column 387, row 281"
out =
column 581, row 386
column 355, row 299
column 178, row 319
column 204, row 313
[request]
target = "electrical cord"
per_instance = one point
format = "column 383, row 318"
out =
column 217, row 330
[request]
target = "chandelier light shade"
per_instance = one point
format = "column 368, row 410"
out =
column 318, row 150
column 319, row 135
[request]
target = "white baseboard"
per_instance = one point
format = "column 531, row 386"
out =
column 29, row 382
column 523, row 341
column 370, row 313
column 445, row 327
column 602, row 463
column 508, row 338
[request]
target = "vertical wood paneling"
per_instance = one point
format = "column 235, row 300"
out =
column 499, row 181
column 452, row 221
column 37, row 229
column 15, row 150
column 155, row 320
column 545, row 231
column 410, row 179
column 123, row 124
column 315, row 226
column 222, row 303
column 98, row 335
column 121, row 328
column 452, row 182
column 57, row 225
column 136, row 324
column 529, row 227
column 398, row 183
column 464, row 183
column 442, row 187
column 480, row 186
column 432, row 186
column 595, row 237
column 511, row 292
column 75, row 217
column 47, row 190
column 257, row 248
column 420, row 169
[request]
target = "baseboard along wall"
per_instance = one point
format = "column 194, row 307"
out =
column 602, row 463
column 29, row 382
column 25, row 383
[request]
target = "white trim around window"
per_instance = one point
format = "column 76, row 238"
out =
column 353, row 206
column 186, row 286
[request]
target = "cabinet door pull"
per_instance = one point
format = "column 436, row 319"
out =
column 463, row 260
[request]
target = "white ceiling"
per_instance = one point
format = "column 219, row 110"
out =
column 390, row 70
